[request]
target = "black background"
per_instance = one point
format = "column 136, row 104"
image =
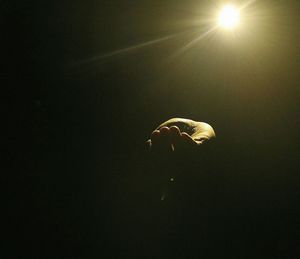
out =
column 76, row 116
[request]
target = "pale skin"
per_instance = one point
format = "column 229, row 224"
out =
column 178, row 133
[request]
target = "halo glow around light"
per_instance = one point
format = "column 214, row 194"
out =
column 229, row 17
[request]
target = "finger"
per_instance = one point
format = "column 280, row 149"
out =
column 164, row 131
column 148, row 144
column 160, row 140
column 175, row 136
column 187, row 140
column 174, row 132
column 201, row 140
column 164, row 142
column 155, row 136
column 165, row 136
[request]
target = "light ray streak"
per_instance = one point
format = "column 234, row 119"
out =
column 194, row 41
column 125, row 50
column 245, row 5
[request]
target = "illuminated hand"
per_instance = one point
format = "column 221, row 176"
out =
column 177, row 133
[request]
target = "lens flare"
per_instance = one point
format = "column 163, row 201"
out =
column 229, row 17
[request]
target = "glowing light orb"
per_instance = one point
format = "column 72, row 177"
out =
column 229, row 17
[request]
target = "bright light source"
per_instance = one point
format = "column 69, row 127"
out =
column 229, row 17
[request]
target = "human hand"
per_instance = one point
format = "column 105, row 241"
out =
column 179, row 133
